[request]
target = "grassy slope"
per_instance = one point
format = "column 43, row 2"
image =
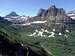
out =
column 58, row 46
column 12, row 35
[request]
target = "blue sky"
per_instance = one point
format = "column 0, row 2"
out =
column 31, row 7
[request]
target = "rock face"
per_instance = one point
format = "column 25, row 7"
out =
column 51, row 13
column 42, row 12
column 55, row 17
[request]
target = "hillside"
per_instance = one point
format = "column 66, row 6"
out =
column 12, row 43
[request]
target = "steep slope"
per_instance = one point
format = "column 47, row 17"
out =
column 12, row 43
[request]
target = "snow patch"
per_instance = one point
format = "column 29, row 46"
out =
column 36, row 22
column 52, row 34
column 42, row 30
column 40, row 33
column 66, row 36
column 26, row 24
column 53, row 29
column 60, row 34
column 47, row 31
column 67, row 30
column 22, row 45
column 57, row 23
column 73, row 17
column 36, row 30
column 33, row 34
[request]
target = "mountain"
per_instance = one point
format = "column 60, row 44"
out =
column 51, row 16
column 54, row 18
column 16, row 19
column 12, row 14
column 71, row 14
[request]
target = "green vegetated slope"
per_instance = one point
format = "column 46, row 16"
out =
column 10, row 36
column 7, row 31
column 60, row 45
column 42, row 46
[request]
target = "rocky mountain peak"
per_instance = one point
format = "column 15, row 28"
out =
column 51, row 11
column 53, row 7
column 12, row 14
column 41, row 12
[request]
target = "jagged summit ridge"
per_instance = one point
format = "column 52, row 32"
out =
column 51, row 11
column 51, row 16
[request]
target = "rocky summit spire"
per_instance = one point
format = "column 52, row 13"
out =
column 12, row 14
column 41, row 12
column 51, row 11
